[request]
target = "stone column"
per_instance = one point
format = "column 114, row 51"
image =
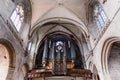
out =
column 73, row 54
column 45, row 54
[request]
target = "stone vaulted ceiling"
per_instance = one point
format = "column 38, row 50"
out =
column 42, row 7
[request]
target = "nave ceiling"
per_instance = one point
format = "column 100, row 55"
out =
column 41, row 7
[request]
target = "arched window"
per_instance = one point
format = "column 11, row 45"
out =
column 99, row 16
column 17, row 17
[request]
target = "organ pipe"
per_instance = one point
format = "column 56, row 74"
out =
column 53, row 58
column 64, row 60
column 45, row 53
column 73, row 53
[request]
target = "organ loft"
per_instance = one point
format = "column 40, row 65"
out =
column 59, row 55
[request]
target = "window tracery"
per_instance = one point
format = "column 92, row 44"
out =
column 17, row 17
column 99, row 16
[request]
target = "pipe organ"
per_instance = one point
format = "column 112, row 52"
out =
column 58, row 56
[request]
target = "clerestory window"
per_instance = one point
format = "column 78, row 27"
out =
column 99, row 16
column 17, row 17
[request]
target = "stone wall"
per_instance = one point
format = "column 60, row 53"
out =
column 19, row 58
column 114, row 62
column 112, row 30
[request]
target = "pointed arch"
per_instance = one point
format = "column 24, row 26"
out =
column 11, row 55
column 81, row 26
column 56, row 15
column 105, row 54
column 11, row 50
column 105, row 51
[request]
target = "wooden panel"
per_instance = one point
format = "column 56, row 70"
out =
column 70, row 72
column 69, row 65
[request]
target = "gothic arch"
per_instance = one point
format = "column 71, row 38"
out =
column 105, row 51
column 61, row 32
column 56, row 33
column 55, row 15
column 11, row 50
column 59, row 20
column 105, row 54
column 80, row 25
column 11, row 54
